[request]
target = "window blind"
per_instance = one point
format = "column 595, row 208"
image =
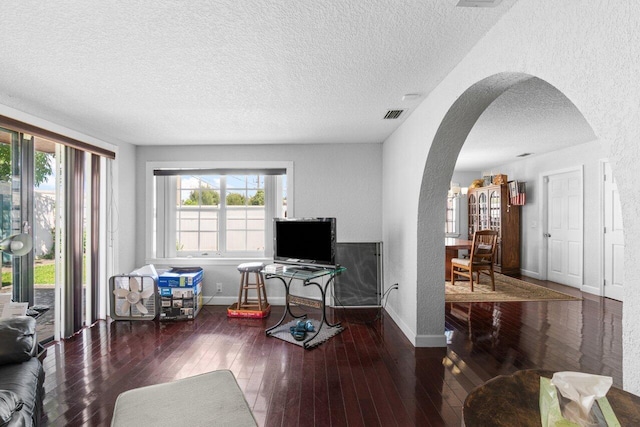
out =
column 223, row 171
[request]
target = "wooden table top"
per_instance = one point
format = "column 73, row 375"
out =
column 452, row 243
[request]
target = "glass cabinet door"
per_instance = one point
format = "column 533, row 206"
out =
column 494, row 209
column 483, row 211
column 473, row 214
column 495, row 219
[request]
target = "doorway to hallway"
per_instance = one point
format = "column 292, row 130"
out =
column 564, row 235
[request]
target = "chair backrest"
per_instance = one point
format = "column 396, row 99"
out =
column 484, row 245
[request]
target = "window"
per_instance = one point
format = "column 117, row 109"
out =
column 455, row 222
column 216, row 212
column 197, row 212
column 451, row 221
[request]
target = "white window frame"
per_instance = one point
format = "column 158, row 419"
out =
column 172, row 214
column 151, row 243
column 456, row 217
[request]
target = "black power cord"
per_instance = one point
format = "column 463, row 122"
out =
column 382, row 306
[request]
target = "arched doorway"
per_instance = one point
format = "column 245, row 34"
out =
column 448, row 140
column 452, row 133
column 534, row 134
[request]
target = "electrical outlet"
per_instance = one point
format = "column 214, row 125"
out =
column 219, row 287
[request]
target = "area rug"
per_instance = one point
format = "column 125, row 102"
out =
column 209, row 399
column 325, row 333
column 507, row 289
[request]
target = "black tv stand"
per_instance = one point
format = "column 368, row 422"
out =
column 308, row 275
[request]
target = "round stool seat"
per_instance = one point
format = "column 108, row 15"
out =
column 251, row 267
column 257, row 307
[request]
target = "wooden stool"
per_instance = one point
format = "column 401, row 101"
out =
column 244, row 303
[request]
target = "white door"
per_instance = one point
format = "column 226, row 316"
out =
column 565, row 228
column 613, row 238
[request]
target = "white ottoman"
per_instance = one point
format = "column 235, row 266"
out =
column 211, row 399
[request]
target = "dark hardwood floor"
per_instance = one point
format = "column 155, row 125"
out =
column 368, row 375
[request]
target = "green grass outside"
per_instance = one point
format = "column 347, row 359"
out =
column 43, row 275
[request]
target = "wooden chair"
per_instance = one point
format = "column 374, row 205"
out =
column 480, row 260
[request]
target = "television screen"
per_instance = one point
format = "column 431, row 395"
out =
column 305, row 241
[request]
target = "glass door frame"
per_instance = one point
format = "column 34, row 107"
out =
column 23, row 213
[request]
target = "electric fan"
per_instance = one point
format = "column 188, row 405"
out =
column 133, row 297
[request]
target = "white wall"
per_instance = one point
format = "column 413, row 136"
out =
column 465, row 178
column 586, row 155
column 591, row 53
column 342, row 181
column 125, row 195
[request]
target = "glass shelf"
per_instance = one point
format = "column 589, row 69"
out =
column 306, row 273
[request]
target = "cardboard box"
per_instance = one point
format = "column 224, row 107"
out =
column 499, row 179
column 180, row 293
column 181, row 277
column 180, row 303
column 233, row 311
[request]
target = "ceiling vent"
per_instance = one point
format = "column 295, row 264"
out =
column 393, row 114
column 478, row 3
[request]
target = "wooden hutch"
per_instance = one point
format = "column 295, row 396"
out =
column 489, row 208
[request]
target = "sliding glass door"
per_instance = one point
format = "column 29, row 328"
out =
column 54, row 189
column 45, row 196
column 27, row 205
column 8, row 139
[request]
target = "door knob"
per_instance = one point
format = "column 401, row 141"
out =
column 547, row 235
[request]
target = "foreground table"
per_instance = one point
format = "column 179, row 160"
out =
column 513, row 400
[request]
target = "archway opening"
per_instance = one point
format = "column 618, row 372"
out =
column 498, row 109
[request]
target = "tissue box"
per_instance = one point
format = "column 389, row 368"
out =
column 576, row 399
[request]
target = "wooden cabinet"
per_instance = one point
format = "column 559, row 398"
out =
column 489, row 208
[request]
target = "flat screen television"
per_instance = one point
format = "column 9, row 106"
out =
column 307, row 242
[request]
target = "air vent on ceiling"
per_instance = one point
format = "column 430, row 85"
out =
column 478, row 3
column 393, row 114
column 524, row 155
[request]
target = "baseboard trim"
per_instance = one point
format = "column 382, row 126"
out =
column 431, row 341
column 529, row 273
column 406, row 330
column 591, row 290
column 416, row 340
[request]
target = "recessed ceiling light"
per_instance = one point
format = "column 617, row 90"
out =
column 478, row 3
column 410, row 96
column 524, row 154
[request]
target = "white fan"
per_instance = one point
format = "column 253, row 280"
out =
column 134, row 297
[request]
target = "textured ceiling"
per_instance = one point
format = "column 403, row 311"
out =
column 532, row 117
column 230, row 71
column 227, row 71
